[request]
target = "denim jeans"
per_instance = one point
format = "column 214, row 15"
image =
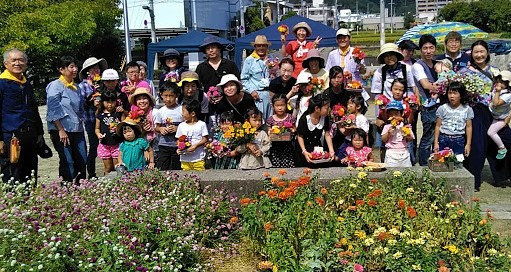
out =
column 457, row 144
column 428, row 118
column 72, row 157
column 93, row 149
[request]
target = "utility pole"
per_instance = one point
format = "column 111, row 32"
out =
column 324, row 15
column 278, row 11
column 262, row 12
column 242, row 19
column 150, row 8
column 382, row 22
column 336, row 16
column 126, row 31
column 391, row 17
column 194, row 15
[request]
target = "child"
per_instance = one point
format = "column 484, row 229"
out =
column 192, row 90
column 196, row 131
column 358, row 152
column 281, row 153
column 231, row 160
column 255, row 155
column 299, row 95
column 107, row 119
column 499, row 108
column 357, row 107
column 396, row 137
column 110, row 79
column 314, row 131
column 134, row 151
column 143, row 104
column 454, row 121
column 167, row 120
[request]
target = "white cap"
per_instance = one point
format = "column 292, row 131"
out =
column 303, row 77
column 110, row 74
column 343, row 31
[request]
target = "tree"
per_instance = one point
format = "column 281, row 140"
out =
column 409, row 19
column 253, row 20
column 288, row 15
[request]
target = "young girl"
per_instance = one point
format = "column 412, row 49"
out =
column 142, row 101
column 281, row 153
column 358, row 152
column 499, row 108
column 231, row 160
column 314, row 131
column 167, row 120
column 396, row 137
column 299, row 95
column 454, row 121
column 110, row 79
column 107, row 119
column 196, row 131
column 134, row 151
column 357, row 107
column 255, row 155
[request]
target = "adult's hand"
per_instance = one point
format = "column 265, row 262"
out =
column 64, row 139
column 147, row 126
column 316, row 41
column 255, row 95
column 2, row 147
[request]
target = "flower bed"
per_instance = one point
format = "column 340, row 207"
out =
column 399, row 223
column 144, row 221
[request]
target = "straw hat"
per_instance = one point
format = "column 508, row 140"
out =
column 313, row 54
column 228, row 78
column 303, row 77
column 389, row 48
column 505, row 75
column 130, row 122
column 88, row 63
column 189, row 76
column 302, row 25
column 260, row 39
column 141, row 91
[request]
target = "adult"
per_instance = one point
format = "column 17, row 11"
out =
column 407, row 48
column 233, row 98
column 192, row 90
column 255, row 75
column 20, row 117
column 143, row 76
column 65, row 105
column 215, row 67
column 173, row 66
column 453, row 52
column 91, row 70
column 425, row 75
column 479, row 65
column 133, row 81
column 299, row 48
column 285, row 82
column 314, row 64
column 343, row 56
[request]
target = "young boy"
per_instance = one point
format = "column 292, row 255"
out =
column 167, row 120
column 192, row 158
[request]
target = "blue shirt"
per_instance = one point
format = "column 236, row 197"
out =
column 18, row 105
column 255, row 75
column 89, row 110
column 66, row 105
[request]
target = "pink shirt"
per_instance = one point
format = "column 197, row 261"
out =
column 397, row 140
column 359, row 156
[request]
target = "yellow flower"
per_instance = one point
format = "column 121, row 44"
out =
column 246, row 125
column 275, row 130
column 492, row 251
column 360, row 234
column 344, row 241
column 397, row 174
column 340, row 219
column 362, row 175
column 452, row 248
column 397, row 255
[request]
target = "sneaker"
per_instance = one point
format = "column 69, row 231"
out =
column 501, row 154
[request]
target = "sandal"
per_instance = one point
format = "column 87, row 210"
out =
column 501, row 154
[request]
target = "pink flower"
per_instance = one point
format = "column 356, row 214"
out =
column 358, row 268
column 288, row 124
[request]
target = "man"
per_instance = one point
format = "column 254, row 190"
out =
column 453, row 53
column 19, row 117
column 425, row 76
column 215, row 67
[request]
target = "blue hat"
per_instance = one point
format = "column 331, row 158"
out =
column 396, row 105
column 210, row 40
column 171, row 53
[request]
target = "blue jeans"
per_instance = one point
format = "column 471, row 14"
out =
column 93, row 148
column 72, row 157
column 428, row 118
column 456, row 143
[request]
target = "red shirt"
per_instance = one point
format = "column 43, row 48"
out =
column 292, row 50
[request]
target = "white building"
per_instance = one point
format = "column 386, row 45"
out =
column 319, row 12
column 427, row 10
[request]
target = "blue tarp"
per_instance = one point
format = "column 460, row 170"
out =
column 185, row 43
column 273, row 35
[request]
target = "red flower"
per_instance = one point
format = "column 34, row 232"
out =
column 320, row 201
column 411, row 212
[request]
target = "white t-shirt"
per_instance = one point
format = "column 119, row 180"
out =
column 389, row 78
column 194, row 133
column 361, row 122
column 304, row 104
column 169, row 116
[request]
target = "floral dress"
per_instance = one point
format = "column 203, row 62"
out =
column 358, row 156
column 281, row 154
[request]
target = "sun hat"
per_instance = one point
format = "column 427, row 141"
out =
column 171, row 53
column 343, row 32
column 303, row 78
column 142, row 64
column 188, row 76
column 209, row 41
column 408, row 45
column 109, row 74
column 396, row 105
column 130, row 122
column 389, row 48
column 228, row 78
column 313, row 54
column 141, row 91
column 302, row 25
column 505, row 75
column 260, row 39
column 88, row 63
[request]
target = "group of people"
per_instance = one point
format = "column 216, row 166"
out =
column 130, row 123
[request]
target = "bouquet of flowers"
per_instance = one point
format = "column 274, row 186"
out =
column 444, row 78
column 239, row 134
column 183, row 143
column 172, row 77
column 319, row 156
column 283, row 29
column 113, row 126
column 337, row 112
column 94, row 81
column 273, row 66
column 381, row 101
column 354, row 85
column 395, row 121
column 358, row 55
column 476, row 87
column 137, row 114
column 443, row 156
column 218, row 148
column 282, row 132
column 347, row 76
column 412, row 101
column 348, row 120
column 213, row 92
column 406, row 130
column 316, row 85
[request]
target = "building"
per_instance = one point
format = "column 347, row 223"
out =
column 427, row 10
column 319, row 12
column 373, row 23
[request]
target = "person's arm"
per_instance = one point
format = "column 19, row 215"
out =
column 497, row 101
column 301, row 143
column 150, row 153
column 62, row 133
column 387, row 133
column 370, row 157
column 283, row 47
column 265, row 144
column 436, row 145
column 119, row 158
column 330, row 145
column 376, row 84
column 202, row 142
column 98, row 130
column 160, row 129
column 468, row 132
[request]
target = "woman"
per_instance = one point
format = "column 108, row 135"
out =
column 315, row 65
column 173, row 66
column 298, row 49
column 232, row 99
column 255, row 75
column 283, row 83
column 65, row 110
column 143, row 76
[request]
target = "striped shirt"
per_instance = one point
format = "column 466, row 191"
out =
column 334, row 59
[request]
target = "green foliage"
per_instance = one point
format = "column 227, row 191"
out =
column 408, row 20
column 288, row 15
column 253, row 20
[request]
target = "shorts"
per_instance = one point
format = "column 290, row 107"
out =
column 108, row 151
column 198, row 165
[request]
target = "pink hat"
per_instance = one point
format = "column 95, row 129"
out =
column 143, row 84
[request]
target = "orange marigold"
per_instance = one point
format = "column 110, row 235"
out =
column 443, row 269
column 272, row 193
column 489, row 215
column 372, row 203
column 282, row 172
column 352, row 208
column 233, row 220
column 274, row 180
column 374, row 181
column 308, row 203
column 290, row 190
column 411, row 212
column 268, row 226
column 461, row 212
column 482, row 222
column 324, row 191
column 293, row 184
column 382, row 236
column 320, row 201
column 401, row 204
column 475, row 199
column 304, row 180
column 266, row 174
column 265, row 265
column 375, row 193
column 261, row 193
column 359, row 202
column 284, row 195
column 281, row 184
column 307, row 171
column 245, row 201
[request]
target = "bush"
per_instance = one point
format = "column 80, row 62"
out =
column 143, row 221
column 401, row 223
